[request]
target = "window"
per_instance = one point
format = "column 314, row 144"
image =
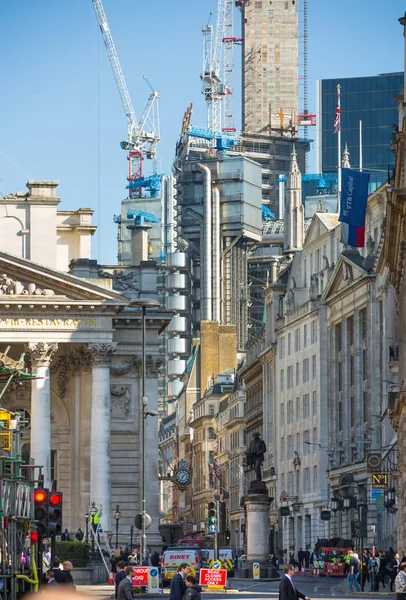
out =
column 306, row 442
column 290, row 447
column 306, row 408
column 290, row 412
column 289, row 344
column 297, row 409
column 298, row 443
column 282, row 380
column 305, row 370
column 282, row 449
column 290, row 377
column 306, row 481
column 297, row 339
column 297, row 374
column 305, row 336
column 282, row 414
column 283, row 481
column 290, row 483
column 211, row 410
column 211, row 434
column 317, row 260
column 314, row 332
column 282, row 347
column 311, row 263
column 315, row 444
column 315, row 480
column 314, row 403
column 305, row 273
column 314, row 368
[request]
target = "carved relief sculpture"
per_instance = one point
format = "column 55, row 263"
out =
column 40, row 354
column 101, row 353
column 120, row 401
column 14, row 287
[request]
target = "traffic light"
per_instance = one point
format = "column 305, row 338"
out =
column 41, row 509
column 212, row 511
column 55, row 513
column 227, row 535
column 222, row 516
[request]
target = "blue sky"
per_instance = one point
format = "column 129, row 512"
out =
column 60, row 112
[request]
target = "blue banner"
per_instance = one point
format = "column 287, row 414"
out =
column 353, row 206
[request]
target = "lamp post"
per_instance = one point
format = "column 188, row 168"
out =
column 117, row 516
column 143, row 303
column 87, row 528
column 131, row 535
column 93, row 512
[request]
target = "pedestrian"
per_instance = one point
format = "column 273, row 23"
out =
column 65, row 536
column 125, row 588
column 50, row 577
column 400, row 582
column 120, row 575
column 394, row 569
column 114, row 559
column 353, row 569
column 79, row 535
column 155, row 559
column 193, row 589
column 67, row 570
column 366, row 565
column 381, row 575
column 58, row 573
column 47, row 558
column 178, row 583
column 134, row 557
column 287, row 589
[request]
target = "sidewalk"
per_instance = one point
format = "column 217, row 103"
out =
column 343, row 588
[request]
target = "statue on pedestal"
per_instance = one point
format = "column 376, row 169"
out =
column 255, row 455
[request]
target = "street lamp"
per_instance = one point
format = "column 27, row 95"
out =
column 87, row 528
column 131, row 536
column 335, row 504
column 390, row 499
column 117, row 516
column 143, row 303
column 346, row 503
column 93, row 512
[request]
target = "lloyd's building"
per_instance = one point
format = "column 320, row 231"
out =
column 79, row 328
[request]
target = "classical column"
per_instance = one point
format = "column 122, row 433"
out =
column 40, row 356
column 100, row 428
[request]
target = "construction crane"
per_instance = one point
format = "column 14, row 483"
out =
column 143, row 136
column 213, row 89
column 229, row 40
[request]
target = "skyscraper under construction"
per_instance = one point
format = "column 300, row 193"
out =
column 270, row 65
column 270, row 91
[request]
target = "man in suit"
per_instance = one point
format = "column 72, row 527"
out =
column 178, row 583
column 125, row 588
column 287, row 589
column 120, row 575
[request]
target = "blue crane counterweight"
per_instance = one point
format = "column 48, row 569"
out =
column 151, row 184
column 141, row 217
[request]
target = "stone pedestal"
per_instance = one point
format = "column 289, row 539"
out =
column 257, row 511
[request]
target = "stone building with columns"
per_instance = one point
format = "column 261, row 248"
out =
column 392, row 263
column 78, row 326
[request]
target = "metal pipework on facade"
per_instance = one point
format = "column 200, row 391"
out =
column 206, row 313
column 216, row 255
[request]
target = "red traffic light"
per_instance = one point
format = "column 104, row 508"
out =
column 40, row 496
column 34, row 537
column 55, row 499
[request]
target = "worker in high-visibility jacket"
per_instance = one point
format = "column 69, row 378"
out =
column 96, row 517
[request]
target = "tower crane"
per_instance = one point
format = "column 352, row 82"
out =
column 143, row 136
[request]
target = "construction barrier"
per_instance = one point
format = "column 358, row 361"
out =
column 334, row 569
column 316, row 570
column 334, row 551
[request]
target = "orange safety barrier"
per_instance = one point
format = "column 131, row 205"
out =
column 334, row 551
column 334, row 569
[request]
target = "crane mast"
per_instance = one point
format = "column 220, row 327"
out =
column 229, row 40
column 139, row 141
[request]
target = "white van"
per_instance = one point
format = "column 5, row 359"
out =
column 171, row 559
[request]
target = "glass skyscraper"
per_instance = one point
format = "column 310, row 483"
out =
column 367, row 99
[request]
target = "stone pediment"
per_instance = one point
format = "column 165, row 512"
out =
column 22, row 281
column 321, row 224
column 345, row 273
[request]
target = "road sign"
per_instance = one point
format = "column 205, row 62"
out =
column 213, row 528
column 140, row 578
column 375, row 494
column 213, row 577
column 255, row 570
column 216, row 565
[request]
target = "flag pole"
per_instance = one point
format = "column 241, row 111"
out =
column 360, row 145
column 339, row 148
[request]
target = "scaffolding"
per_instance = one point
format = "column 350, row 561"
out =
column 18, row 549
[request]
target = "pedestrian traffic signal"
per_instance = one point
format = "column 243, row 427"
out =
column 41, row 509
column 227, row 535
column 55, row 513
column 212, row 513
